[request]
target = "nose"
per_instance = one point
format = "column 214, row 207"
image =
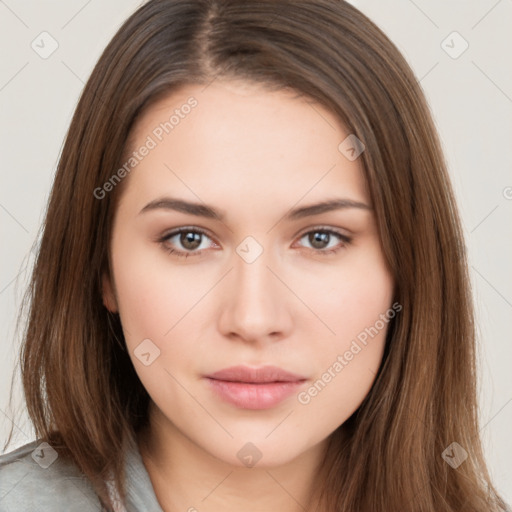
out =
column 255, row 304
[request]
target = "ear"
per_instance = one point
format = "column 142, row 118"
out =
column 109, row 297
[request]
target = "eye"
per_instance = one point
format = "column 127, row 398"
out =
column 190, row 239
column 320, row 240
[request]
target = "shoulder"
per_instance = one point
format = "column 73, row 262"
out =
column 34, row 477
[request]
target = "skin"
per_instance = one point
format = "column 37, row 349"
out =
column 253, row 155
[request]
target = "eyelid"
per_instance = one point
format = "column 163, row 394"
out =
column 318, row 227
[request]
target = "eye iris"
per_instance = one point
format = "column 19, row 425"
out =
column 318, row 238
column 190, row 240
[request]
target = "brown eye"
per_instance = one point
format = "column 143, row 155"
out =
column 185, row 242
column 190, row 240
column 319, row 239
column 325, row 241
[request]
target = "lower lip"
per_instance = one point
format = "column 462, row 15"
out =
column 254, row 396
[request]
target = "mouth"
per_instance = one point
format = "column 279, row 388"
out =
column 254, row 388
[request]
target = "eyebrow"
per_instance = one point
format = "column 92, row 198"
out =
column 204, row 210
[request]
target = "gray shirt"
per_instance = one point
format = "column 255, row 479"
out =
column 34, row 478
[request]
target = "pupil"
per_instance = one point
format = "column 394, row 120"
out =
column 318, row 239
column 191, row 240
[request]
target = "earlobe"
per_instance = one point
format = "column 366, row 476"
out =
column 109, row 299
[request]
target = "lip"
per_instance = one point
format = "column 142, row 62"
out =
column 254, row 388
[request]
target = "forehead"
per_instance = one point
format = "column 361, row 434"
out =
column 240, row 140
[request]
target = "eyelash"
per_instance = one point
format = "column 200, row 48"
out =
column 183, row 254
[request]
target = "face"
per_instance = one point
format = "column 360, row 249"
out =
column 250, row 315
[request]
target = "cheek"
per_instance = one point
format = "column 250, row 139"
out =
column 357, row 306
column 350, row 298
column 153, row 296
column 156, row 303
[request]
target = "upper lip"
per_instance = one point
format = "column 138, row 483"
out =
column 259, row 374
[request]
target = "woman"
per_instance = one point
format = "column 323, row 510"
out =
column 251, row 290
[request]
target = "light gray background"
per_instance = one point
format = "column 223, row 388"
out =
column 470, row 96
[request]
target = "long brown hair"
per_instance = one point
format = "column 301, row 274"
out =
column 82, row 393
